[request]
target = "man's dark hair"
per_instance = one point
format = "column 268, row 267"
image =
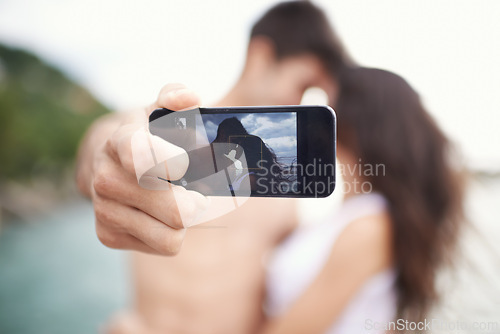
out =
column 300, row 27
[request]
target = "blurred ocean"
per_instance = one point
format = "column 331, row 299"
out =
column 55, row 276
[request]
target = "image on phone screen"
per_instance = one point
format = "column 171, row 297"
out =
column 269, row 143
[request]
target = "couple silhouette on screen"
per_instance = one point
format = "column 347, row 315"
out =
column 259, row 163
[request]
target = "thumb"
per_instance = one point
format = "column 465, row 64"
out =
column 176, row 97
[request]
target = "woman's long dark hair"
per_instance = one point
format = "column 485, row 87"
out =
column 382, row 120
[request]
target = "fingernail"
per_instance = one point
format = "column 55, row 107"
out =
column 178, row 91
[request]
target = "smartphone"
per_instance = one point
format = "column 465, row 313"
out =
column 271, row 151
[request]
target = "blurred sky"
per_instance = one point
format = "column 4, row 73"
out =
column 124, row 51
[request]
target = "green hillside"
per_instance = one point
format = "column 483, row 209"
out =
column 43, row 115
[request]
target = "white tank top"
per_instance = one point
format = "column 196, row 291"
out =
column 301, row 257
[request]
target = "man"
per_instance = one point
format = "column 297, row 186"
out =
column 215, row 283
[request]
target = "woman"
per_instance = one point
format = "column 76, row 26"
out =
column 376, row 260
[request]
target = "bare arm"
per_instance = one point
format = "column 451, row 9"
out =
column 362, row 250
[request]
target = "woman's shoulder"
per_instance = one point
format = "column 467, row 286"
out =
column 364, row 243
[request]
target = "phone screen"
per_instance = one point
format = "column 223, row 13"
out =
column 249, row 151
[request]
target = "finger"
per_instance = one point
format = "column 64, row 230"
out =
column 141, row 153
column 175, row 207
column 114, row 219
column 176, row 97
column 122, row 241
column 111, row 235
